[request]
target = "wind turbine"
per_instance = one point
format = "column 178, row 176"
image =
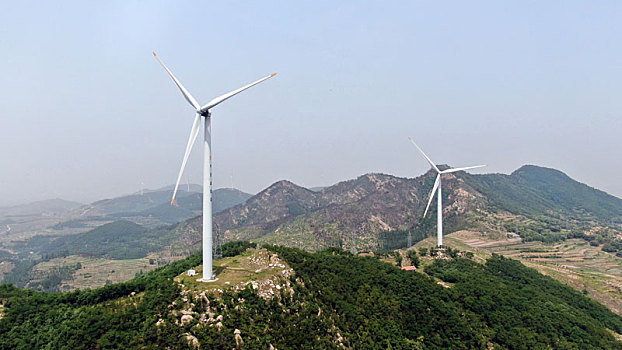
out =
column 205, row 113
column 437, row 184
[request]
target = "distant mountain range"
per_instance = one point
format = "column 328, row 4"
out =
column 124, row 239
column 375, row 211
column 145, row 203
column 54, row 227
column 186, row 205
column 49, row 207
column 153, row 208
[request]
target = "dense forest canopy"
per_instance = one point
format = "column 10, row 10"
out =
column 338, row 298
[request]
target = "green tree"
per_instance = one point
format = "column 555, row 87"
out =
column 414, row 259
column 398, row 259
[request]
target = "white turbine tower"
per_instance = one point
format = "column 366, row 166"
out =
column 205, row 113
column 437, row 185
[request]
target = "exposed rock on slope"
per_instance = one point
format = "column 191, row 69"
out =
column 349, row 214
column 375, row 210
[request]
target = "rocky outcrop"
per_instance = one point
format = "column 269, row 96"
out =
column 348, row 213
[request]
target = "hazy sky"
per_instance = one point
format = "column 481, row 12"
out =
column 88, row 113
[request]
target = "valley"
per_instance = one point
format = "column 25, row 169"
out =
column 48, row 238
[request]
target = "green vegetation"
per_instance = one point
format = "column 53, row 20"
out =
column 381, row 306
column 54, row 278
column 235, row 248
column 520, row 306
column 359, row 302
column 117, row 240
column 20, row 274
column 398, row 239
column 573, row 262
column 558, row 207
column 184, row 209
column 295, row 209
column 414, row 259
column 93, row 318
column 74, row 223
column 533, row 191
column 398, row 259
column 225, row 198
column 542, row 230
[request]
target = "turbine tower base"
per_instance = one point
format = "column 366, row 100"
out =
column 207, row 281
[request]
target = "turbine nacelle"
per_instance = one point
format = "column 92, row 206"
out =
column 201, row 111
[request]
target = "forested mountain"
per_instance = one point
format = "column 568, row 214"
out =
column 330, row 300
column 534, row 190
column 116, row 240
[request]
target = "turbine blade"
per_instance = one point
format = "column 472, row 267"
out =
column 438, row 179
column 193, row 136
column 453, row 170
column 426, row 157
column 183, row 90
column 221, row 98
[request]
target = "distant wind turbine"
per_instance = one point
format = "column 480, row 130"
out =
column 437, row 184
column 204, row 111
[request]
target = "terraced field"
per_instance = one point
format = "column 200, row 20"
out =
column 96, row 272
column 574, row 262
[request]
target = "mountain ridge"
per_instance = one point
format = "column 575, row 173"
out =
column 359, row 209
column 51, row 206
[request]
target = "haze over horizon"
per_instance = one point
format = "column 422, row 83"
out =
column 89, row 114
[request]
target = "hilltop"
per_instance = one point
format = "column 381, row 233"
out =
column 326, row 300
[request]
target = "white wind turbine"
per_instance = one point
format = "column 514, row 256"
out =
column 437, row 184
column 204, row 111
